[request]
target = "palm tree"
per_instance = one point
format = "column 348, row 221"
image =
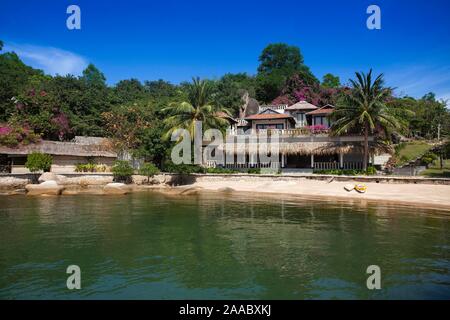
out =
column 198, row 107
column 365, row 110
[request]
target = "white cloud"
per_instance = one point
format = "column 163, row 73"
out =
column 52, row 60
column 419, row 80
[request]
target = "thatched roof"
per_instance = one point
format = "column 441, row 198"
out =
column 315, row 145
column 324, row 110
column 299, row 148
column 98, row 147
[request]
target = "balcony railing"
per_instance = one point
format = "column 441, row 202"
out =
column 305, row 131
column 335, row 165
column 272, row 165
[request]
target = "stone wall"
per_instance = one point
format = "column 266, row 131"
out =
column 260, row 177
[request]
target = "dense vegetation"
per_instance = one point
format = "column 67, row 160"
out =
column 136, row 114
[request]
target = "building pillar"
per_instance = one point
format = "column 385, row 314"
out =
column 282, row 160
column 341, row 160
column 312, row 161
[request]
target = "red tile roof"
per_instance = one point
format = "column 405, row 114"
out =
column 324, row 110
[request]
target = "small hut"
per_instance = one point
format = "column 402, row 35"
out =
column 66, row 155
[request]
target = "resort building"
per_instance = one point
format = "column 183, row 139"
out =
column 305, row 143
column 65, row 155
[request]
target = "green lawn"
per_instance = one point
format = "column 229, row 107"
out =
column 434, row 170
column 411, row 150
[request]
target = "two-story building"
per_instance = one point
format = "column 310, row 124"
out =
column 304, row 140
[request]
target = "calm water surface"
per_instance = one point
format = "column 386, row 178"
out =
column 215, row 246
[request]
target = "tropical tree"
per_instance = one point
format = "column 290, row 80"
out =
column 330, row 81
column 199, row 106
column 365, row 109
column 279, row 62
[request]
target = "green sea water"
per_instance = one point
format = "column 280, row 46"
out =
column 220, row 246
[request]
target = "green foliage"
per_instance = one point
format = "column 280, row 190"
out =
column 280, row 56
column 221, row 170
column 14, row 77
column 331, row 81
column 254, row 171
column 161, row 89
column 122, row 171
column 278, row 62
column 198, row 107
column 126, row 124
column 436, row 171
column 12, row 135
column 148, row 169
column 130, row 90
column 169, row 166
column 365, row 110
column 230, row 89
column 93, row 76
column 37, row 161
column 407, row 151
column 424, row 116
column 428, row 158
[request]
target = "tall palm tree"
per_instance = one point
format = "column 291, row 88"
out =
column 365, row 110
column 199, row 106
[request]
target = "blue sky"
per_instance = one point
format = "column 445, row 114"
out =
column 175, row 40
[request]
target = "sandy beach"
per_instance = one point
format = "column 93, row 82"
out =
column 433, row 196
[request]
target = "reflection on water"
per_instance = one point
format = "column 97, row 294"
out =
column 216, row 246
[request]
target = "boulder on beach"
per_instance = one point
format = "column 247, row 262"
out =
column 88, row 180
column 116, row 188
column 45, row 188
column 11, row 183
column 50, row 176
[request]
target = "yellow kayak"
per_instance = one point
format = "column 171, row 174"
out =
column 361, row 188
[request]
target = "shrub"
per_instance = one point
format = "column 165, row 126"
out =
column 371, row 171
column 221, row 170
column 428, row 158
column 148, row 169
column 37, row 161
column 122, row 171
column 254, row 171
column 12, row 136
column 183, row 168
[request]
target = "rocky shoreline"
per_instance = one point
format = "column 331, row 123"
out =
column 55, row 184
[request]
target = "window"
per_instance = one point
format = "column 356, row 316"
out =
column 265, row 126
column 321, row 120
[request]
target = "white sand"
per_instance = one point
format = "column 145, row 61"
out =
column 425, row 195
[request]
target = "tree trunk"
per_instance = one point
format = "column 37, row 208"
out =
column 366, row 147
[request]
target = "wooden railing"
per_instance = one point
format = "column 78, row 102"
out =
column 335, row 165
column 272, row 165
column 286, row 132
